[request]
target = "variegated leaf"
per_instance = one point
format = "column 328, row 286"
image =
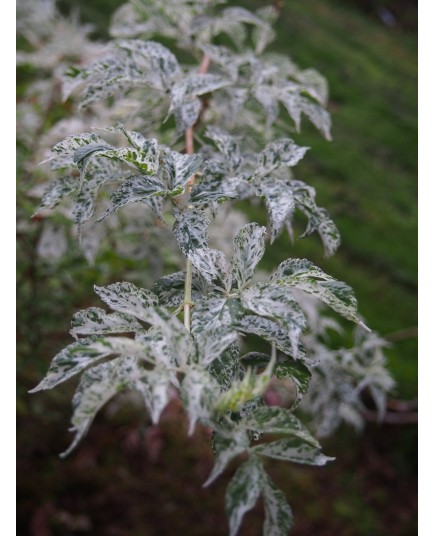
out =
column 304, row 275
column 249, row 248
column 228, row 145
column 95, row 321
column 293, row 450
column 138, row 188
column 225, row 368
column 243, row 491
column 97, row 386
column 191, row 230
column 283, row 152
column 279, row 198
column 318, row 116
column 180, row 168
column 213, row 265
column 226, row 448
column 273, row 333
column 199, row 391
column 80, row 354
column 275, row 420
column 127, row 298
column 298, row 373
column 177, row 336
column 213, row 342
column 318, row 218
column 58, row 190
column 315, row 84
column 154, row 386
column 278, row 513
column 212, row 313
column 170, row 289
column 276, row 302
column 159, row 58
column 62, row 154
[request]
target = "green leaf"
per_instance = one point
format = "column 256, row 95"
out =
column 226, row 448
column 95, row 321
column 190, row 230
column 292, row 450
column 278, row 513
column 243, row 491
column 80, row 354
column 97, row 386
column 249, row 248
column 299, row 374
column 127, row 298
column 304, row 275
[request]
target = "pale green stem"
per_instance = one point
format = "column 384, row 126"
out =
column 187, row 296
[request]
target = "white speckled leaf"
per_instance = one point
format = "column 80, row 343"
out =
column 62, row 154
column 304, row 275
column 318, row 218
column 226, row 448
column 271, row 332
column 275, row 420
column 135, row 189
column 191, row 230
column 78, row 355
column 293, row 450
column 58, row 190
column 225, row 368
column 97, row 386
column 213, row 265
column 243, row 491
column 249, row 248
column 298, row 373
column 277, row 303
column 180, row 167
column 95, row 321
column 159, row 58
column 278, row 513
column 210, row 313
column 318, row 116
column 154, row 386
column 283, row 152
column 213, row 342
column 279, row 198
column 127, row 298
column 199, row 391
column 227, row 144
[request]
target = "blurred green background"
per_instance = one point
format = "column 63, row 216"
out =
column 126, row 480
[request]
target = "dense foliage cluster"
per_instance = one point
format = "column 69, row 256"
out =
column 139, row 171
